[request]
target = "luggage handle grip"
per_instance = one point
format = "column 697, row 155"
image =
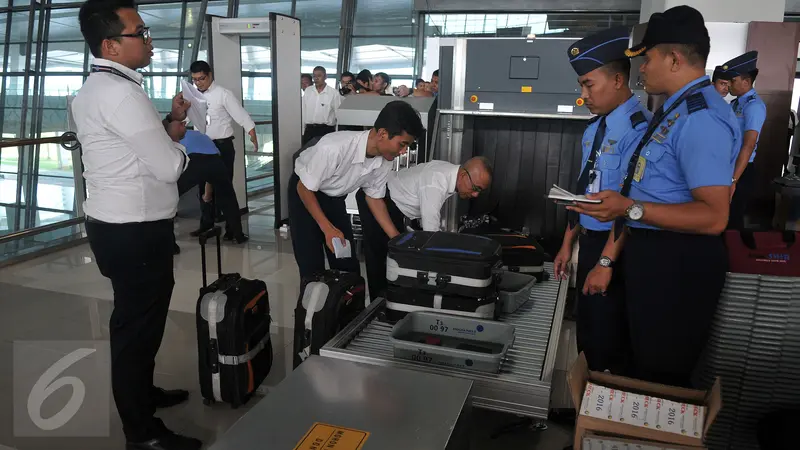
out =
column 203, row 238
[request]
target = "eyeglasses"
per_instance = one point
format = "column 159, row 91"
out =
column 475, row 188
column 199, row 79
column 144, row 35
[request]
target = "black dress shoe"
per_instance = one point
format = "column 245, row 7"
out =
column 167, row 442
column 239, row 239
column 199, row 231
column 166, row 398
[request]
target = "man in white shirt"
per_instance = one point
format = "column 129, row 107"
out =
column 418, row 192
column 320, row 103
column 131, row 170
column 341, row 163
column 223, row 109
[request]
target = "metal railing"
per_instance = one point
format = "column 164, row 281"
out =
column 68, row 141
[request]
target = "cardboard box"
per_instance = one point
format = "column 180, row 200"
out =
column 594, row 441
column 681, row 400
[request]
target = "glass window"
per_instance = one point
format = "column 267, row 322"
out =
column 319, row 17
column 319, row 52
column 17, row 56
column 393, row 55
column 65, row 56
column 262, row 8
column 19, row 26
column 64, row 25
column 161, row 89
column 165, row 56
column 164, row 20
column 384, row 17
column 518, row 25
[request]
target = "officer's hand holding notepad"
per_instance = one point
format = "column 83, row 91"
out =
column 565, row 197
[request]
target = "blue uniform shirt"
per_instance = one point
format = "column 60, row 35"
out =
column 688, row 150
column 197, row 142
column 751, row 112
column 620, row 141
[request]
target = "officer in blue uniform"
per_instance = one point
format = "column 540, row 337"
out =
column 674, row 202
column 751, row 113
column 721, row 84
column 608, row 142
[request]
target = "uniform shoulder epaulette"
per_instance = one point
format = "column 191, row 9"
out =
column 696, row 102
column 751, row 98
column 594, row 119
column 637, row 119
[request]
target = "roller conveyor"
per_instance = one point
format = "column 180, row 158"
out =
column 523, row 384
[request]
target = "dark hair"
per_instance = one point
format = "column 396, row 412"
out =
column 347, row 74
column 200, row 66
column 365, row 76
column 305, row 75
column 398, row 116
column 99, row 20
column 435, row 73
column 696, row 54
column 320, row 68
column 619, row 66
column 385, row 77
column 419, row 80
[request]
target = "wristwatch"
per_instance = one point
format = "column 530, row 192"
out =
column 733, row 180
column 635, row 211
column 605, row 261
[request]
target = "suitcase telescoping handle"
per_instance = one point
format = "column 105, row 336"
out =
column 204, row 237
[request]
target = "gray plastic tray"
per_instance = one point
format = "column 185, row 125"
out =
column 465, row 342
column 515, row 290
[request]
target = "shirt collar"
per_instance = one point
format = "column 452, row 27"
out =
column 210, row 87
column 748, row 94
column 134, row 75
column 361, row 152
column 620, row 116
column 688, row 86
column 454, row 180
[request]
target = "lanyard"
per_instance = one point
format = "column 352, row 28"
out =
column 626, row 187
column 113, row 71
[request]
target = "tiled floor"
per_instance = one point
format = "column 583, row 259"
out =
column 49, row 302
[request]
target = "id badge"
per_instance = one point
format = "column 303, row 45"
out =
column 640, row 166
column 594, row 181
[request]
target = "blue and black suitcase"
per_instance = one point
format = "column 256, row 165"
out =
column 445, row 272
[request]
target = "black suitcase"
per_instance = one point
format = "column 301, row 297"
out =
column 521, row 253
column 447, row 263
column 334, row 298
column 401, row 301
column 233, row 339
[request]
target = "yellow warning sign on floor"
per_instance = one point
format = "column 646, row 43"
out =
column 322, row 436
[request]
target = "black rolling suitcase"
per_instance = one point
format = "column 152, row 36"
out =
column 447, row 263
column 233, row 320
column 328, row 302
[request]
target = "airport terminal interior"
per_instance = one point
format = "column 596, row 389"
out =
column 490, row 80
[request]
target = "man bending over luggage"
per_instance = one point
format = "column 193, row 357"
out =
column 208, row 167
column 417, row 193
column 337, row 165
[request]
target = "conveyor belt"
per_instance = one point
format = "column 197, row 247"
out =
column 523, row 384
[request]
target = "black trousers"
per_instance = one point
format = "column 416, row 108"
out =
column 376, row 241
column 602, row 327
column 204, row 169
column 308, row 240
column 228, row 154
column 137, row 258
column 741, row 197
column 316, row 130
column 673, row 282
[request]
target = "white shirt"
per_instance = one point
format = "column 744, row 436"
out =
column 223, row 109
column 131, row 164
column 320, row 107
column 338, row 165
column 420, row 191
